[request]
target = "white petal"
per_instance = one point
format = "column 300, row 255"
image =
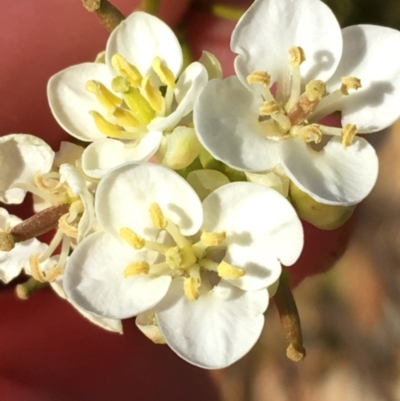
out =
column 190, row 84
column 212, row 64
column 370, row 54
column 275, row 179
column 206, row 181
column 217, row 329
column 70, row 102
column 68, row 153
column 94, row 280
column 226, row 122
column 78, row 186
column 262, row 228
column 269, row 28
column 21, row 157
column 140, row 38
column 334, row 176
column 147, row 324
column 114, row 325
column 105, row 154
column 125, row 194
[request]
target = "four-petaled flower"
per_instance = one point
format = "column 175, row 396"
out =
column 203, row 267
column 126, row 103
column 295, row 66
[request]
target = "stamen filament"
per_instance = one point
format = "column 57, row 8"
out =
column 52, row 246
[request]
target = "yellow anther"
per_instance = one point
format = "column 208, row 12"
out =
column 315, row 90
column 180, row 258
column 311, row 133
column 153, row 95
column 133, row 239
column 157, row 216
column 226, row 270
column 125, row 118
column 349, row 131
column 6, row 242
column 53, row 273
column 103, row 95
column 104, row 126
column 190, row 286
column 270, row 108
column 67, row 228
column 350, row 83
column 212, row 239
column 123, row 67
column 164, row 73
column 135, row 268
column 297, row 56
column 259, row 77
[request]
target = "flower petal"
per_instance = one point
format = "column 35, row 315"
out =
column 94, row 279
column 68, row 153
column 269, row 28
column 262, row 228
column 105, row 154
column 215, row 330
column 368, row 54
column 226, row 121
column 334, row 176
column 190, row 84
column 21, row 157
column 140, row 38
column 70, row 102
column 124, row 196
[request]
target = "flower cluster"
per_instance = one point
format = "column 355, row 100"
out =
column 185, row 203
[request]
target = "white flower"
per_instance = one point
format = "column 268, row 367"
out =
column 21, row 157
column 13, row 261
column 297, row 48
column 119, row 105
column 204, row 268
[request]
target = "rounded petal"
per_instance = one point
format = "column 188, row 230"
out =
column 21, row 157
column 268, row 29
column 262, row 228
column 70, row 102
column 105, row 154
column 124, row 196
column 190, row 84
column 140, row 38
column 334, row 176
column 94, row 279
column 370, row 54
column 226, row 121
column 217, row 329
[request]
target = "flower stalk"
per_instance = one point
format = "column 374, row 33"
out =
column 290, row 319
column 25, row 290
column 107, row 13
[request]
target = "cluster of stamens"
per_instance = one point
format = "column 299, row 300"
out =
column 298, row 114
column 191, row 260
column 138, row 103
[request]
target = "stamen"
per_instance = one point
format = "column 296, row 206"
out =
column 125, row 118
column 272, row 108
column 157, row 216
column 297, row 56
column 36, row 271
column 348, row 133
column 226, row 270
column 105, row 127
column 48, row 182
column 350, row 83
column 315, row 90
column 308, row 133
column 153, row 95
column 66, row 244
column 136, row 268
column 259, row 77
column 103, row 95
column 7, row 242
column 66, row 227
column 133, row 239
column 52, row 246
column 123, row 67
column 212, row 239
column 164, row 73
column 190, row 287
column 175, row 233
column 136, row 102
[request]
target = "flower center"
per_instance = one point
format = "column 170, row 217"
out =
column 297, row 116
column 192, row 260
column 138, row 103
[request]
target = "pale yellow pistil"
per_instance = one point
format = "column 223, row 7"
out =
column 183, row 259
